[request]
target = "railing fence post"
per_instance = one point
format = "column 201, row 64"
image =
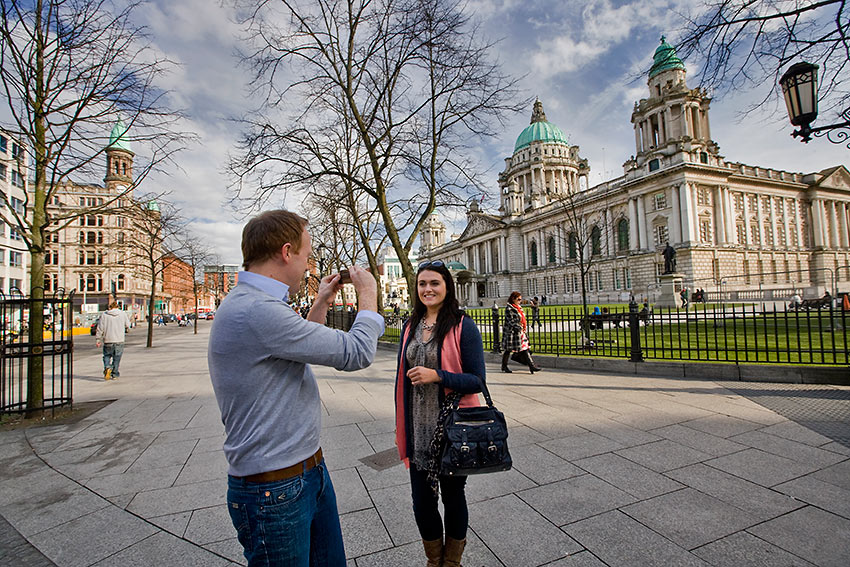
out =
column 634, row 330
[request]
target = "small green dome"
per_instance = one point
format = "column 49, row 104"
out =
column 153, row 206
column 665, row 58
column 117, row 139
column 540, row 130
column 456, row 266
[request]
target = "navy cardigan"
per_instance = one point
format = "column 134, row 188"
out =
column 467, row 382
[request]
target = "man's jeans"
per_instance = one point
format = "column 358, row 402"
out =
column 112, row 356
column 290, row 523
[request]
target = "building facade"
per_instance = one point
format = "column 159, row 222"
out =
column 755, row 231
column 14, row 181
column 178, row 284
column 219, row 279
column 391, row 281
column 94, row 252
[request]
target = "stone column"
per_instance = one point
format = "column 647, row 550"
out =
column 730, row 216
column 817, row 222
column 641, row 216
column 842, row 225
column 504, row 264
column 786, row 223
column 773, row 228
column 833, row 224
column 634, row 241
column 675, row 224
column 760, row 220
column 609, row 228
column 719, row 214
column 488, row 255
column 685, row 207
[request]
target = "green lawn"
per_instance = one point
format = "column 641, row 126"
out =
column 749, row 337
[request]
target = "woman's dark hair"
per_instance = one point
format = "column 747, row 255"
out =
column 450, row 313
column 513, row 296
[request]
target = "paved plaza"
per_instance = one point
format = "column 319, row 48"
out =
column 608, row 470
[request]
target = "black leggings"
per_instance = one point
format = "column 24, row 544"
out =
column 452, row 492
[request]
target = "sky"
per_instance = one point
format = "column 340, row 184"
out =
column 584, row 59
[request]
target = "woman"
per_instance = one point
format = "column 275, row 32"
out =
column 514, row 335
column 441, row 352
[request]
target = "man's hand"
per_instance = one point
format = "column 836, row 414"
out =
column 421, row 375
column 328, row 288
column 97, row 343
column 366, row 287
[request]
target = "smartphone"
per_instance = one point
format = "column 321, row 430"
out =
column 344, row 276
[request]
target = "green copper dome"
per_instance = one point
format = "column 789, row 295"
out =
column 539, row 130
column 153, row 206
column 665, row 58
column 117, row 139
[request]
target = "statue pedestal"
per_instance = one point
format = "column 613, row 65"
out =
column 671, row 286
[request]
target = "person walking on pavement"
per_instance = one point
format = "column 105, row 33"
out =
column 515, row 335
column 440, row 352
column 280, row 496
column 111, row 328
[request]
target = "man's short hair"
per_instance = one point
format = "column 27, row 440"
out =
column 113, row 304
column 265, row 235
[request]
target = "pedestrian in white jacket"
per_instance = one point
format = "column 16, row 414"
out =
column 111, row 328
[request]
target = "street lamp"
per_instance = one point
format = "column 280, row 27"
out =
column 800, row 89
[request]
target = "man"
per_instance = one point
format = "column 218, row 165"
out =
column 110, row 331
column 280, row 496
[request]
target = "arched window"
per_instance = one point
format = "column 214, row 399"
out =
column 533, row 253
column 623, row 235
column 82, row 258
column 573, row 245
column 121, row 282
column 91, row 282
column 91, row 238
column 82, row 237
column 120, row 238
column 595, row 241
column 100, row 237
column 550, row 245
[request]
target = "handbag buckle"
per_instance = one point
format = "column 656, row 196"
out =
column 492, row 448
column 464, row 448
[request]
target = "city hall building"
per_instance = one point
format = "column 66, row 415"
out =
column 753, row 231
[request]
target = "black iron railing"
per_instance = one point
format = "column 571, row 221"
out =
column 736, row 333
column 55, row 349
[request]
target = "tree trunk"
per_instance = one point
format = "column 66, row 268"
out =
column 151, row 303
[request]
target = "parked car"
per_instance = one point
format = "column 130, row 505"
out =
column 210, row 316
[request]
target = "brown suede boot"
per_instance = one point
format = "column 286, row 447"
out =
column 434, row 552
column 454, row 551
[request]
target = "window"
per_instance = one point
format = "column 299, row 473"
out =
column 100, row 237
column 91, row 259
column 121, row 282
column 703, row 157
column 739, row 201
column 15, row 284
column 742, row 233
column 595, row 241
column 120, row 238
column 627, row 276
column 660, row 201
column 15, row 258
column 51, row 257
column 755, row 236
column 14, row 234
column 768, row 234
column 91, row 220
column 615, row 273
column 2, row 258
column 623, row 235
column 654, row 164
column 551, row 249
column 17, row 179
column 3, row 146
column 16, row 150
column 661, row 235
column 17, row 205
column 705, row 230
column 91, row 282
column 91, row 238
column 573, row 245
column 752, row 203
column 703, row 196
column 82, row 257
column 533, row 253
column 3, row 171
column 100, row 258
column 121, row 222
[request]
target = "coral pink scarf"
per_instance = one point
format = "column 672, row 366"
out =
column 450, row 361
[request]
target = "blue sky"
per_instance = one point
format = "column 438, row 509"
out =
column 583, row 58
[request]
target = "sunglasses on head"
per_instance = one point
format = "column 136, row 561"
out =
column 434, row 264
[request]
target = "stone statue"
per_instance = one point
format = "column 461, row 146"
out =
column 669, row 254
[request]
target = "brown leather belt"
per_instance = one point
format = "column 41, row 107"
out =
column 288, row 472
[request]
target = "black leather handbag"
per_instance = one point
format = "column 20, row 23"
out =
column 476, row 439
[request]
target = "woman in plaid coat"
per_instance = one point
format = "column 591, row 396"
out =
column 514, row 336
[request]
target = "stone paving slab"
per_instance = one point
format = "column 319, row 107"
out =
column 609, row 470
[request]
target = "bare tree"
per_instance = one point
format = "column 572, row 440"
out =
column 196, row 254
column 745, row 43
column 69, row 69
column 158, row 241
column 585, row 236
column 399, row 75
